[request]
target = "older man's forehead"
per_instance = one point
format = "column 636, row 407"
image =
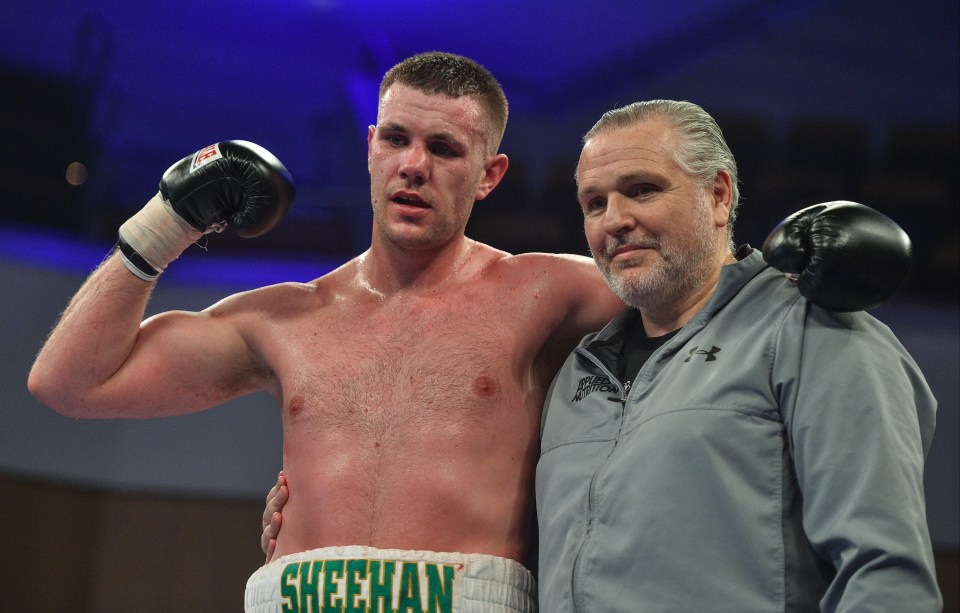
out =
column 650, row 134
column 615, row 150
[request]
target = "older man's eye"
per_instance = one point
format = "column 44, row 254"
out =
column 644, row 189
column 594, row 204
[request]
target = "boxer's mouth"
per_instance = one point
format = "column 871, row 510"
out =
column 409, row 200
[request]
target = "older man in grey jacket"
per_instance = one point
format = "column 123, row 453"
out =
column 724, row 444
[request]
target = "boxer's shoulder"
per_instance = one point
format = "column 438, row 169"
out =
column 554, row 275
column 537, row 264
column 334, row 284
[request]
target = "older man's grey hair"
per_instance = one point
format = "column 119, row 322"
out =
column 702, row 150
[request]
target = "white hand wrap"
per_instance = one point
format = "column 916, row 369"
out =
column 154, row 237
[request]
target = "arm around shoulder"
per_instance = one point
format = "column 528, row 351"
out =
column 579, row 284
column 573, row 301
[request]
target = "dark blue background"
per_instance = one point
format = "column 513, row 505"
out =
column 820, row 101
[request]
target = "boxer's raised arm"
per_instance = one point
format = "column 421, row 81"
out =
column 100, row 361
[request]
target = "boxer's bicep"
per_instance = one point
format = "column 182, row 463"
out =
column 184, row 362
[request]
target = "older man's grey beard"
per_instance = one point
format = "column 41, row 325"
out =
column 677, row 271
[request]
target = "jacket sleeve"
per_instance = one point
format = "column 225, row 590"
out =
column 859, row 419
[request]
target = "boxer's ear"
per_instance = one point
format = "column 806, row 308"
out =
column 493, row 170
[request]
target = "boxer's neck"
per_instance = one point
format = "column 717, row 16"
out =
column 386, row 272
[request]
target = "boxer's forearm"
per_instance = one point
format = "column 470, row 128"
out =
column 92, row 340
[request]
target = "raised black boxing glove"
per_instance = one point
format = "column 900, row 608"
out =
column 843, row 255
column 235, row 184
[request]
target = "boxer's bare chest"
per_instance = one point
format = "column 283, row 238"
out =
column 403, row 364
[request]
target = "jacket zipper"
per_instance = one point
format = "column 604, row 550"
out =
column 623, row 401
column 593, row 480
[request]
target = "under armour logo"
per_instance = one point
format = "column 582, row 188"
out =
column 711, row 354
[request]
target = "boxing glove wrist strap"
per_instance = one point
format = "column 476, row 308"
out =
column 154, row 237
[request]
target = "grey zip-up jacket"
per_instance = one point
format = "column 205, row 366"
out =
column 769, row 457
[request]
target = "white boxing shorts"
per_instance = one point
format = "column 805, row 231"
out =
column 355, row 579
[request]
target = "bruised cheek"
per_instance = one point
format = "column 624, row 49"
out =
column 455, row 180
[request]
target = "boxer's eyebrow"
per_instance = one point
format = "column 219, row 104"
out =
column 391, row 128
column 448, row 139
column 443, row 136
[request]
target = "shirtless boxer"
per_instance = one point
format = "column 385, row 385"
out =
column 410, row 379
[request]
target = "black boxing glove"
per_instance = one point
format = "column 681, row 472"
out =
column 235, row 184
column 844, row 256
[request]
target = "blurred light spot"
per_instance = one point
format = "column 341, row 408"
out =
column 76, row 173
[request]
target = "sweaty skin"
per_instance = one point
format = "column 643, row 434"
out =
column 410, row 379
column 412, row 421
